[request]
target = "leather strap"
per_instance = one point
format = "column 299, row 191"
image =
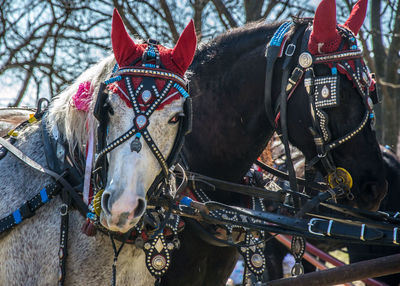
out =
column 82, row 207
column 277, row 196
column 285, row 176
column 312, row 228
column 27, row 209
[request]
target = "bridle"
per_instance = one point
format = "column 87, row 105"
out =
column 323, row 93
column 151, row 98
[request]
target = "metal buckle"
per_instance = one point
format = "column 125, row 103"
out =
column 311, row 224
column 395, row 241
column 328, row 232
column 362, row 232
column 64, row 209
column 290, row 49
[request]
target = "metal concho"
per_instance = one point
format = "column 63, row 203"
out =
column 159, row 262
column 141, row 121
column 305, row 60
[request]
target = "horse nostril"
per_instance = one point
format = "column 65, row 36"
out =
column 105, row 200
column 141, row 207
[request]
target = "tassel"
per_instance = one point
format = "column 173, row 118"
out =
column 89, row 228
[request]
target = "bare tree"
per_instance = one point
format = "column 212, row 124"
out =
column 44, row 45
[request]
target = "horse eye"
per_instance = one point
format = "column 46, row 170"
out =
column 175, row 119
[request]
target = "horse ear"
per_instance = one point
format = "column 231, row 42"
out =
column 123, row 46
column 324, row 37
column 357, row 16
column 184, row 50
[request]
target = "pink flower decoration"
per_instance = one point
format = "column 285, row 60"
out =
column 83, row 96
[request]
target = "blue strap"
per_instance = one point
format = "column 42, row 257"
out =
column 44, row 196
column 186, row 201
column 17, row 216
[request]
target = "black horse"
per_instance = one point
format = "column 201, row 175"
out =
column 275, row 251
column 231, row 128
column 389, row 204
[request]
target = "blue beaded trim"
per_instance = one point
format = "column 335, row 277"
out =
column 277, row 38
column 150, row 65
column 371, row 115
column 186, row 201
column 115, row 68
column 17, row 216
column 43, row 195
column 181, row 90
column 113, row 79
column 91, row 216
column 151, row 52
column 334, row 71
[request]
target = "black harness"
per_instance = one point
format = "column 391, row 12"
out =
column 323, row 92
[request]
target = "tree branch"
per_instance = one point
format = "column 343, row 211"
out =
column 222, row 10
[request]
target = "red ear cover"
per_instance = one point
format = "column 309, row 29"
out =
column 324, row 38
column 125, row 49
column 183, row 52
column 357, row 16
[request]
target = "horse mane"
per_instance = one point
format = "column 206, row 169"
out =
column 70, row 121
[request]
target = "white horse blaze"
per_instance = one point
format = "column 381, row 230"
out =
column 130, row 174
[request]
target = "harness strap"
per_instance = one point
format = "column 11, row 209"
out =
column 285, row 176
column 312, row 228
column 27, row 209
column 283, row 108
column 59, row 178
column 63, row 250
column 277, row 196
column 272, row 53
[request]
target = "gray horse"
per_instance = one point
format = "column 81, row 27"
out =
column 29, row 253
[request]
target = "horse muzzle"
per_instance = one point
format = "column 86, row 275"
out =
column 123, row 213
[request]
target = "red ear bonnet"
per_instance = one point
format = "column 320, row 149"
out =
column 183, row 52
column 357, row 16
column 125, row 49
column 324, row 38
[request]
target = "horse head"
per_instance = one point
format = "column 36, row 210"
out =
column 139, row 111
column 340, row 92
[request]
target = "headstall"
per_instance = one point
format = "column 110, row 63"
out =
column 157, row 231
column 144, row 100
column 323, row 92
